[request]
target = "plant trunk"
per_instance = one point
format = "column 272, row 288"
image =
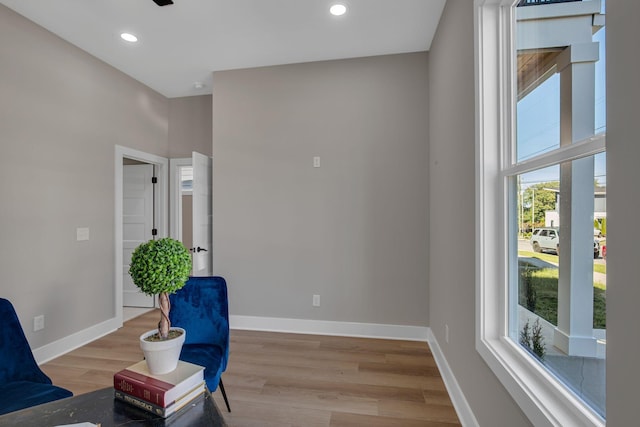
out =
column 165, row 323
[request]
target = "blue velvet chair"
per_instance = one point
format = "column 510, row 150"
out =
column 22, row 382
column 202, row 309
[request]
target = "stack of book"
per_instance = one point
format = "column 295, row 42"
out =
column 163, row 394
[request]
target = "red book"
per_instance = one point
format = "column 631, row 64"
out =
column 164, row 412
column 161, row 390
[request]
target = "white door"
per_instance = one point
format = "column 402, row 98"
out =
column 202, row 215
column 137, row 223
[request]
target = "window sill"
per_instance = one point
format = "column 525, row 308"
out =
column 537, row 392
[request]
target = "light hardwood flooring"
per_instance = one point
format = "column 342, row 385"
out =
column 276, row 379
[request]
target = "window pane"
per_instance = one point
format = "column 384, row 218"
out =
column 561, row 253
column 186, row 178
column 536, row 197
column 557, row 291
column 538, row 114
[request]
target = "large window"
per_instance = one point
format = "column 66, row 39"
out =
column 542, row 205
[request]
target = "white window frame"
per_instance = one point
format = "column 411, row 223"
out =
column 543, row 399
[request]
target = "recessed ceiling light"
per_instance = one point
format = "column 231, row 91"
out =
column 198, row 85
column 338, row 9
column 129, row 37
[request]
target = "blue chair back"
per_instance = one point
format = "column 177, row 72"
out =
column 201, row 307
column 16, row 359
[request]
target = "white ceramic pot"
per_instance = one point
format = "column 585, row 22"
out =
column 162, row 356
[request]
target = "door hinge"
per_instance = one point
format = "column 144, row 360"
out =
column 154, row 180
column 154, row 232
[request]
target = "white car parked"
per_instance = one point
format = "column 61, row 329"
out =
column 545, row 239
column 548, row 239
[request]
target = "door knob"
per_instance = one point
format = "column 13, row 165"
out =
column 199, row 249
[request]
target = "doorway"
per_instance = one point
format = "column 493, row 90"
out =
column 159, row 206
column 191, row 200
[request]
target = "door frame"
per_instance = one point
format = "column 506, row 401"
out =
column 161, row 209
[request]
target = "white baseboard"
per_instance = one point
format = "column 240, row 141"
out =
column 455, row 393
column 325, row 327
column 64, row 345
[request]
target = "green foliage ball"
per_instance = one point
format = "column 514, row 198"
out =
column 160, row 266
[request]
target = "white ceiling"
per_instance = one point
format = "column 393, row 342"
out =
column 183, row 43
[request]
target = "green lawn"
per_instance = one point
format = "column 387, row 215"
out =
column 545, row 285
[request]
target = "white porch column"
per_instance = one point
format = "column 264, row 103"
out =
column 574, row 333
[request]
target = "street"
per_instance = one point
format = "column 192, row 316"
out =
column 525, row 245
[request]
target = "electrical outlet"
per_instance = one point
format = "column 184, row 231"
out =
column 316, row 300
column 38, row 323
column 446, row 333
column 316, row 162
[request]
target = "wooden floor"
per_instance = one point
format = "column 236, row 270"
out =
column 284, row 380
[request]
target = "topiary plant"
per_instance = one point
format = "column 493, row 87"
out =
column 161, row 267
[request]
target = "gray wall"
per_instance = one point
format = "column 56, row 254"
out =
column 62, row 112
column 623, row 233
column 353, row 230
column 189, row 126
column 452, row 215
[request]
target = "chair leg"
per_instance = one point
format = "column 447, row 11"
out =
column 224, row 394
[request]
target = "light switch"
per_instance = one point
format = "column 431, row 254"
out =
column 316, row 162
column 82, row 233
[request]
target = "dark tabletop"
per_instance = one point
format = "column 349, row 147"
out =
column 101, row 407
